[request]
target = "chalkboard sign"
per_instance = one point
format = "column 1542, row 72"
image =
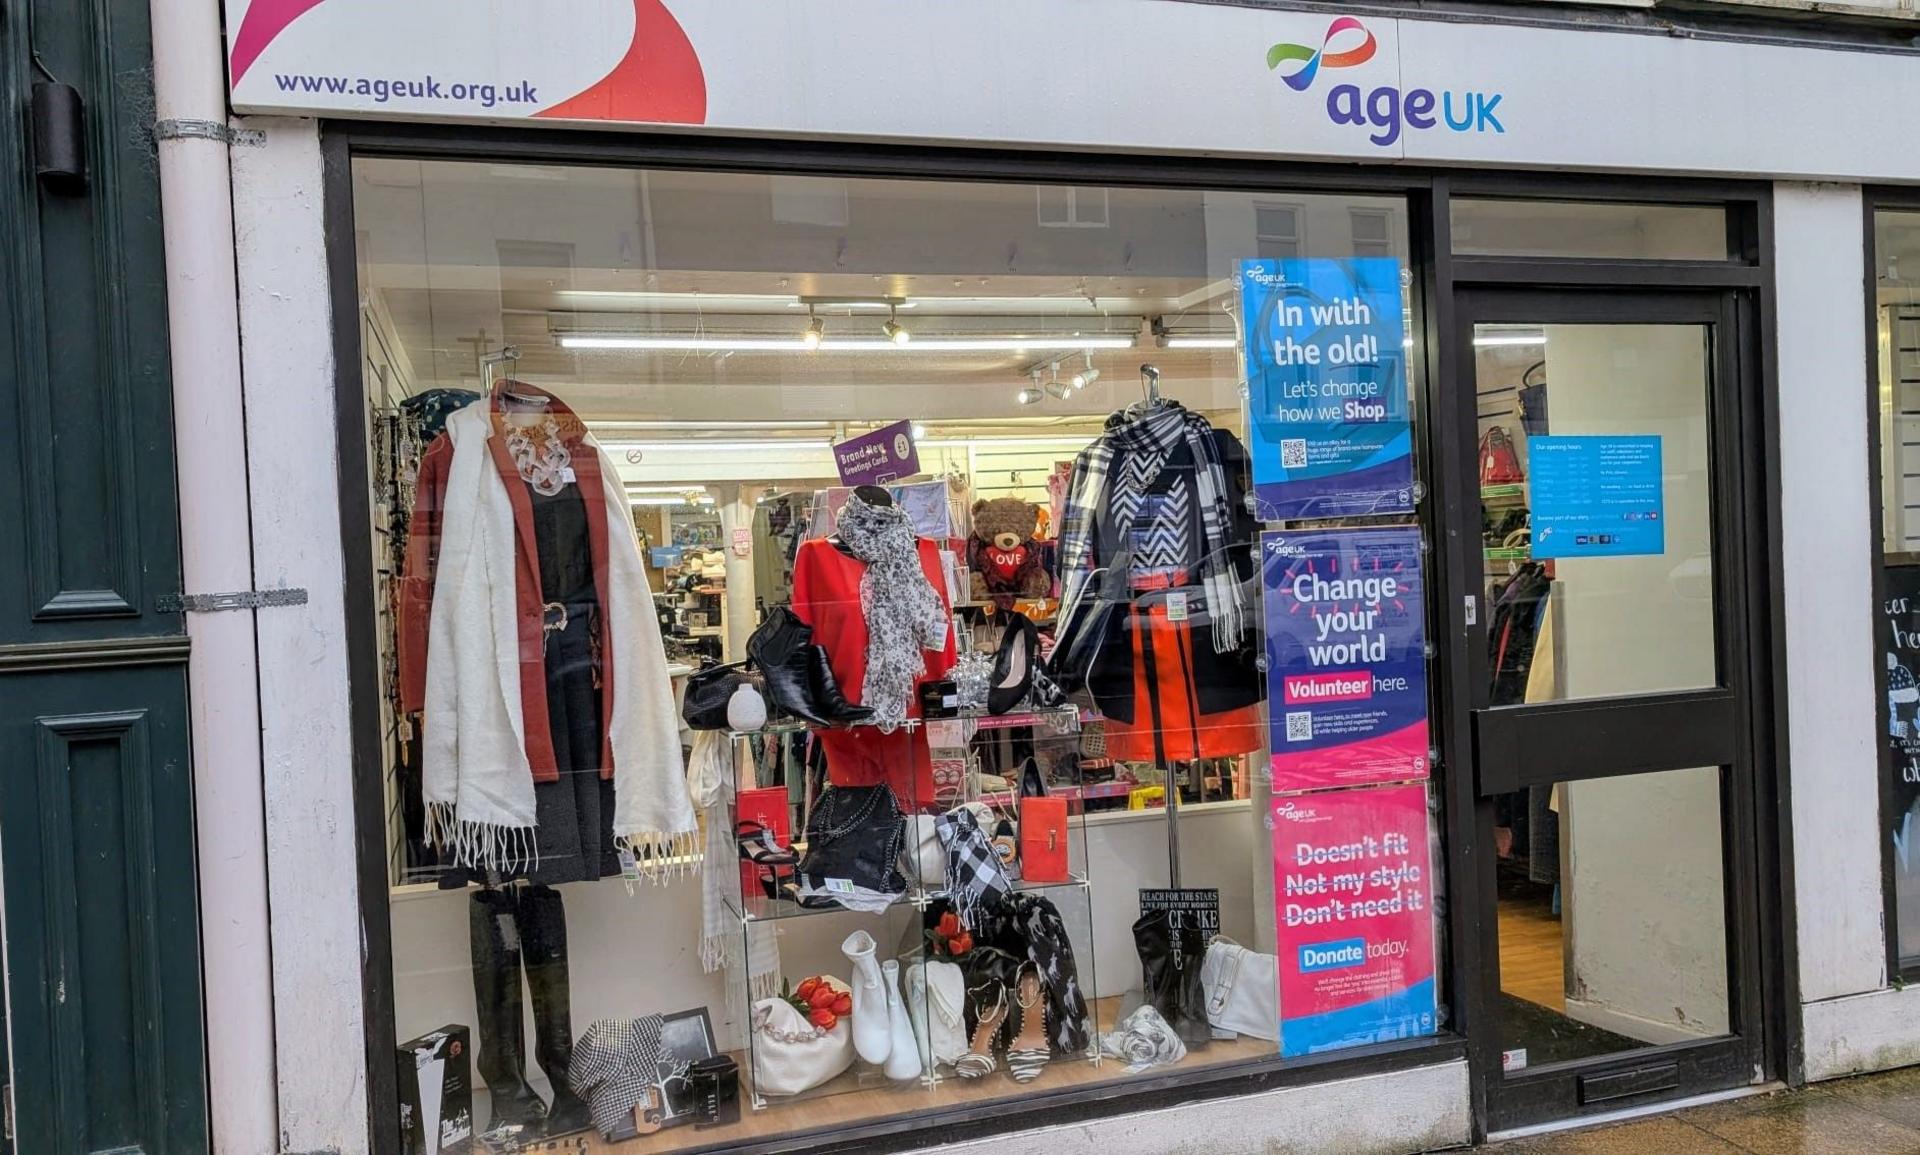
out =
column 1194, row 907
column 1900, row 642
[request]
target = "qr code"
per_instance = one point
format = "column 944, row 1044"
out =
column 1299, row 726
column 1293, row 453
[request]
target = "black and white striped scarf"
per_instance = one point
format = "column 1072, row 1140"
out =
column 1147, row 442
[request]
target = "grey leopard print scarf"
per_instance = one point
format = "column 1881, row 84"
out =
column 904, row 614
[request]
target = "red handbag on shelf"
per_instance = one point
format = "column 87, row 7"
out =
column 1043, row 839
column 1499, row 464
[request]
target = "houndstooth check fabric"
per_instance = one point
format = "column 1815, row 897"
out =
column 974, row 873
column 614, row 1065
column 1113, row 474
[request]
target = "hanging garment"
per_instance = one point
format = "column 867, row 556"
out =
column 826, row 595
column 1513, row 631
column 520, row 688
column 1158, row 503
column 1168, row 721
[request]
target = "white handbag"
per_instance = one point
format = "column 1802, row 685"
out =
column 1242, row 989
column 926, row 858
column 790, row 1054
column 937, row 999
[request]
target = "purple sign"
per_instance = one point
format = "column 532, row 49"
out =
column 1346, row 656
column 886, row 454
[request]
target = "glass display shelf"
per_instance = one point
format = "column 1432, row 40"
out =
column 1064, row 719
column 757, row 906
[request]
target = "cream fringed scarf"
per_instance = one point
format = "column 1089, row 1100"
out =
column 478, row 784
column 711, row 783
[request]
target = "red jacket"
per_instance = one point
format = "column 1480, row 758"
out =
column 826, row 596
column 415, row 608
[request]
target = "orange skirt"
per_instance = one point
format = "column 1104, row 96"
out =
column 1164, row 699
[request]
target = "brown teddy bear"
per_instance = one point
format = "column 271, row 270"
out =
column 1006, row 558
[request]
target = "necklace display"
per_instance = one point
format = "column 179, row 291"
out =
column 541, row 456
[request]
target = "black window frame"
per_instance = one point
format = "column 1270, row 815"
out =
column 1436, row 270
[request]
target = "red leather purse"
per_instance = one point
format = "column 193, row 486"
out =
column 1043, row 839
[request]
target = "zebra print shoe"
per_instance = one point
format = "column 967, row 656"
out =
column 1028, row 1053
column 978, row 1060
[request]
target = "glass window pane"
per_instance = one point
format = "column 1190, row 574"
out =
column 1612, row 916
column 1596, row 503
column 720, row 336
column 1530, row 228
column 1897, row 305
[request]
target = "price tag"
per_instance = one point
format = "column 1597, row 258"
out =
column 1177, row 607
column 567, row 476
column 840, row 885
column 629, row 866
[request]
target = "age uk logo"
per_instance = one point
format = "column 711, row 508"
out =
column 1348, row 44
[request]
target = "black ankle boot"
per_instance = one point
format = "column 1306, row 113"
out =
column 543, row 941
column 1172, row 976
column 502, row 1061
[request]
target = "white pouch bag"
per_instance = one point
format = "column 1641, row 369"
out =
column 937, row 1001
column 790, row 1054
column 925, row 858
column 1242, row 989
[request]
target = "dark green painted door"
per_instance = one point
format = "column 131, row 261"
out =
column 103, row 1001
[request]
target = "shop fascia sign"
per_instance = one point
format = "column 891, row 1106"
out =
column 1386, row 109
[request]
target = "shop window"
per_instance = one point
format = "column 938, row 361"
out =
column 898, row 622
column 1590, row 229
column 1896, row 257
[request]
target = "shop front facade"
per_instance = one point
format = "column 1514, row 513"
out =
column 1312, row 571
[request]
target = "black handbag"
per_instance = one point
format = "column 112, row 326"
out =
column 854, row 836
column 704, row 706
column 799, row 679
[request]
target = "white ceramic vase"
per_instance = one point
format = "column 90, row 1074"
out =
column 872, row 1038
column 903, row 1061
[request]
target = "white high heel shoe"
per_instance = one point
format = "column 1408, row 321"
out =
column 872, row 1037
column 904, row 1061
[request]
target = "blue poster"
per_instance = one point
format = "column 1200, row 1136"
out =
column 1596, row 496
column 1346, row 657
column 1327, row 387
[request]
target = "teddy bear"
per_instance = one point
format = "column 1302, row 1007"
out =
column 1006, row 558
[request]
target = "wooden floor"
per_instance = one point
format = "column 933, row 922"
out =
column 1532, row 952
column 863, row 1094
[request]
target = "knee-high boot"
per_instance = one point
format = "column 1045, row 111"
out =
column 543, row 940
column 1170, row 965
column 502, row 1061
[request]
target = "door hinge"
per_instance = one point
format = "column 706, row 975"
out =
column 237, row 600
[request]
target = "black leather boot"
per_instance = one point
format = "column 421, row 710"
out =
column 827, row 698
column 543, row 941
column 1172, row 976
column 798, row 677
column 502, row 1061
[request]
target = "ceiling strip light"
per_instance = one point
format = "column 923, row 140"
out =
column 1517, row 340
column 1202, row 342
column 795, row 345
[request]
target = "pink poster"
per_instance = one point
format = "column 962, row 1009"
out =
column 1354, row 912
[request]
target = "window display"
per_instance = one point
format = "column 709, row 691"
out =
column 824, row 658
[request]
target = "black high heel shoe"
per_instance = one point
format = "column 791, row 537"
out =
column 1013, row 665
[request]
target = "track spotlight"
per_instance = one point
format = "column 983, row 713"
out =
column 1028, row 396
column 895, row 331
column 1086, row 376
column 816, row 331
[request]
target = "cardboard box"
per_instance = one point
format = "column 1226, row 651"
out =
column 436, row 1092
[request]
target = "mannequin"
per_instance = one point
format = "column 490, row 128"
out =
column 522, row 802
column 827, row 596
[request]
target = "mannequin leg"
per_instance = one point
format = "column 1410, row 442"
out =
column 502, row 1061
column 543, row 937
